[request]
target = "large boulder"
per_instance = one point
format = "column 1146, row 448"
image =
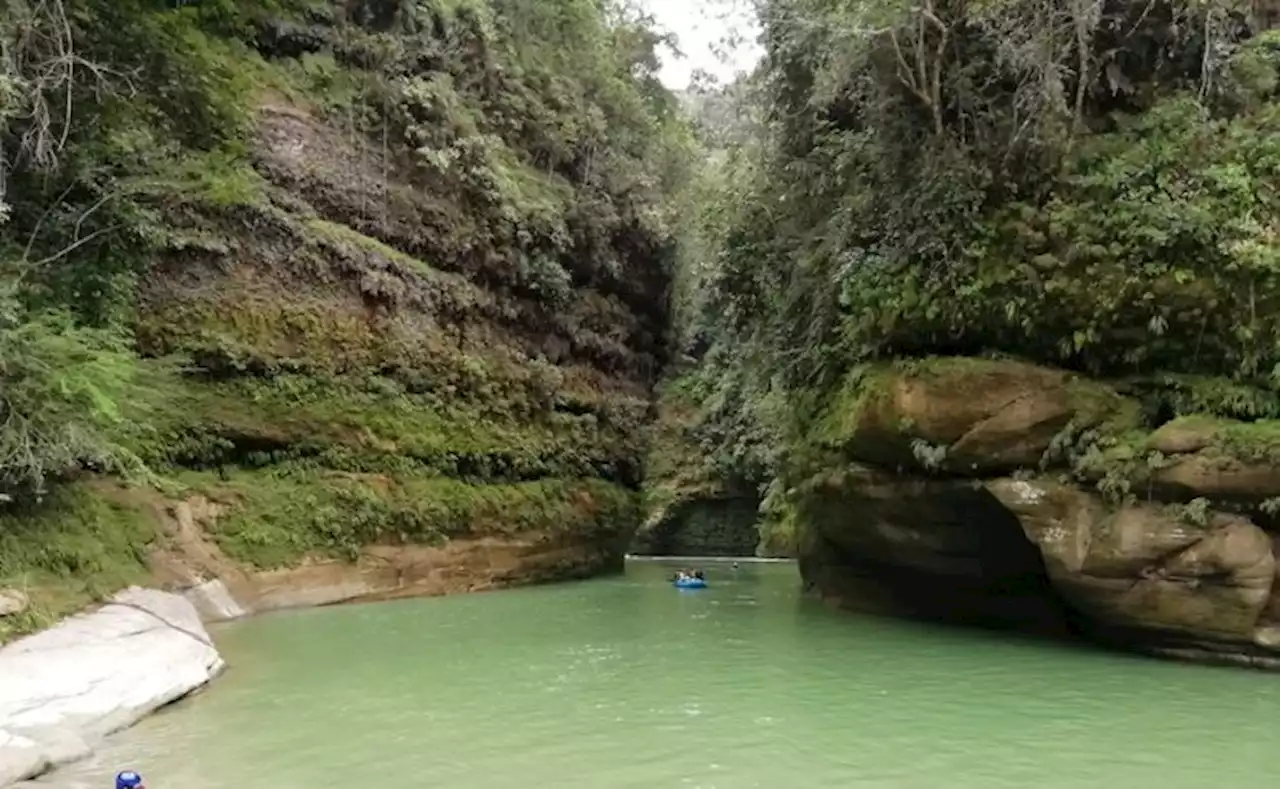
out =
column 1041, row 555
column 943, row 521
column 1146, row 566
column 967, row 416
column 95, row 673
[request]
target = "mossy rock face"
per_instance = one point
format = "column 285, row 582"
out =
column 416, row 295
column 1186, row 434
column 705, row 527
column 81, row 546
column 373, row 424
column 275, row 520
column 965, row 416
column 780, row 530
column 692, row 507
column 1218, row 459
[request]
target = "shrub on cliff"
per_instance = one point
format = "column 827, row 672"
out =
column 127, row 133
column 69, row 396
column 1094, row 185
column 1077, row 183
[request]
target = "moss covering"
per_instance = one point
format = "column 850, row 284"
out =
column 861, row 388
column 411, row 258
column 1256, row 442
column 1248, row 442
column 93, row 538
column 780, row 532
column 676, row 467
column 283, row 515
column 910, row 412
column 374, row 424
column 79, row 547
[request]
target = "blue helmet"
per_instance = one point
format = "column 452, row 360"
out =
column 129, row 780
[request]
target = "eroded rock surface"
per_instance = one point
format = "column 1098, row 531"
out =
column 1146, row 566
column 984, row 416
column 723, row 526
column 62, row 689
column 1184, row 565
column 943, row 549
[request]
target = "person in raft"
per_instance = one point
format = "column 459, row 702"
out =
column 129, row 780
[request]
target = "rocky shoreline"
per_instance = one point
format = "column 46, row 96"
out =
column 64, row 689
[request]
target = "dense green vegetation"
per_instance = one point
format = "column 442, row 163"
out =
column 377, row 270
column 424, row 241
column 1088, row 185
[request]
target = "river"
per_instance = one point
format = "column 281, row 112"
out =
column 626, row 682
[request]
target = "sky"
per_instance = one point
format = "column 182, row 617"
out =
column 700, row 25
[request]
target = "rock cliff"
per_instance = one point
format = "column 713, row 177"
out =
column 1015, row 495
column 909, row 198
column 392, row 277
column 691, row 507
column 96, row 673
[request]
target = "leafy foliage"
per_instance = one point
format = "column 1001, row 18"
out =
column 1091, row 185
column 502, row 385
column 70, row 397
column 82, row 544
column 293, row 513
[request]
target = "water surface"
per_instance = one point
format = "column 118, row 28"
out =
column 627, row 683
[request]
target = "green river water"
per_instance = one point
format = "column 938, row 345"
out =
column 627, row 682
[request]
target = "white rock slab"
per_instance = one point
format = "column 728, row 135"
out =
column 214, row 603
column 95, row 673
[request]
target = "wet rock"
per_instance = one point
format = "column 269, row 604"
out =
column 722, row 526
column 95, row 673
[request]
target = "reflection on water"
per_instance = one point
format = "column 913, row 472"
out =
column 627, row 682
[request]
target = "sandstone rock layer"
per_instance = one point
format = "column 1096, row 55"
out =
column 1155, row 540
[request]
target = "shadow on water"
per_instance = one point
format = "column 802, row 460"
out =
column 943, row 633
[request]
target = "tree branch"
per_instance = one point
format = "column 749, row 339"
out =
column 67, row 250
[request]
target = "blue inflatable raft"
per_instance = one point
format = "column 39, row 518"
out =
column 690, row 583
